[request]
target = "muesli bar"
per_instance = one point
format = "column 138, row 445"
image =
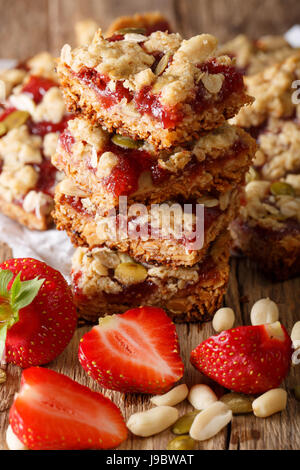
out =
column 110, row 166
column 106, row 282
column 172, row 234
column 159, row 87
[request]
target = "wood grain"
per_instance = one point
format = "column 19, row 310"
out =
column 28, row 26
column 282, row 431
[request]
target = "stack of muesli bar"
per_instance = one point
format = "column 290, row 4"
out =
column 151, row 112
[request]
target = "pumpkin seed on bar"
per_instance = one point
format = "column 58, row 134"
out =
column 131, row 31
column 238, row 403
column 162, row 64
column 183, row 424
column 126, row 142
column 15, row 119
column 3, row 129
column 280, row 188
column 181, row 443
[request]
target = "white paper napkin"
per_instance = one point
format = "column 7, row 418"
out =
column 52, row 246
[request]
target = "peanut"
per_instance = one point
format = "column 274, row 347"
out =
column 264, row 311
column 12, row 441
column 269, row 403
column 150, row 422
column 295, row 335
column 210, row 421
column 201, row 396
column 173, row 397
column 130, row 273
column 223, row 319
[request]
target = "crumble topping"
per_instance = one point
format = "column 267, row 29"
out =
column 279, row 149
column 12, row 78
column 268, row 209
column 130, row 60
column 272, row 90
column 19, row 147
column 50, row 144
column 43, row 64
column 15, row 183
column 51, row 108
column 38, row 202
column 254, row 56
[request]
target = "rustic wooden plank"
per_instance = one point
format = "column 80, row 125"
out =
column 24, row 28
column 226, row 19
column 245, row 432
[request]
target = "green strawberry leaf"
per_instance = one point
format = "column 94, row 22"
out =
column 20, row 295
column 5, row 278
column 23, row 293
column 3, row 332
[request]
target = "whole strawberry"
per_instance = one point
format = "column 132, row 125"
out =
column 37, row 314
column 247, row 359
column 136, row 351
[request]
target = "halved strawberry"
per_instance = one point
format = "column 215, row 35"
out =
column 37, row 314
column 53, row 412
column 247, row 359
column 136, row 351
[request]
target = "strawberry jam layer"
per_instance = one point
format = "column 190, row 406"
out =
column 37, row 87
column 74, row 202
column 46, row 181
column 45, row 127
column 132, row 294
column 149, row 103
column 124, row 177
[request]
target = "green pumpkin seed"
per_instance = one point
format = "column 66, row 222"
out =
column 183, row 424
column 252, row 175
column 297, row 392
column 131, row 31
column 279, row 188
column 238, row 403
column 162, row 64
column 15, row 119
column 3, row 129
column 126, row 142
column 2, row 376
column 181, row 443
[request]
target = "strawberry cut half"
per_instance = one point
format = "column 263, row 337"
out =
column 137, row 351
column 247, row 359
column 53, row 412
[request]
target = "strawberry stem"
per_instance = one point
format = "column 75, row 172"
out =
column 20, row 295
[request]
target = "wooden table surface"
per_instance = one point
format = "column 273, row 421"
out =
column 27, row 26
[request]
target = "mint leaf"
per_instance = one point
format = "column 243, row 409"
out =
column 5, row 278
column 25, row 292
